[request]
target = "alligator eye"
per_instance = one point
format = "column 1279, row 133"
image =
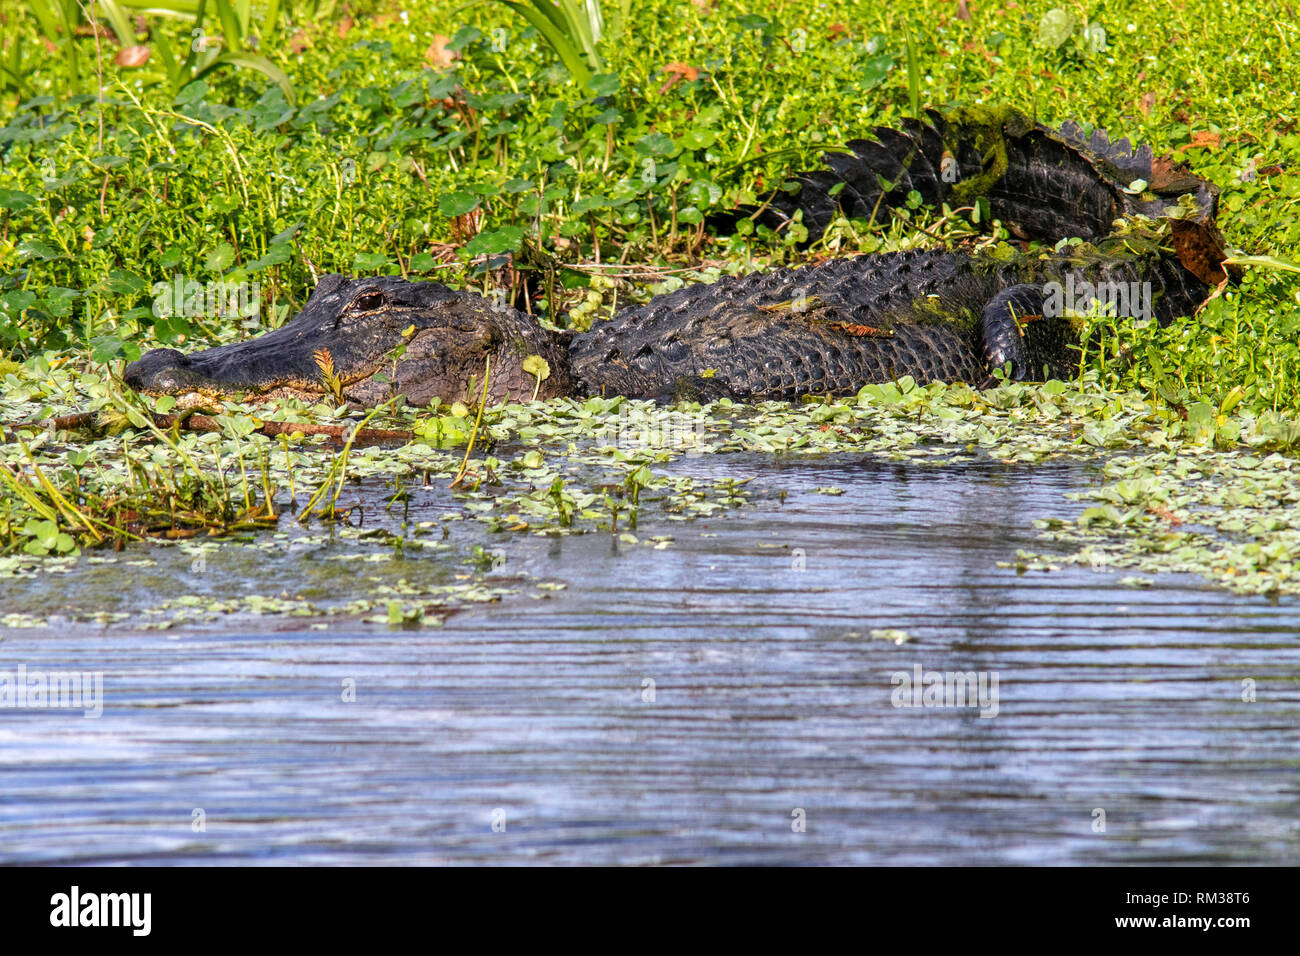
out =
column 369, row 301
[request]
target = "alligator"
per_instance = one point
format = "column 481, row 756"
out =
column 1141, row 228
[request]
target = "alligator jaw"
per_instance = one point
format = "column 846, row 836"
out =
column 366, row 341
column 218, row 372
column 168, row 372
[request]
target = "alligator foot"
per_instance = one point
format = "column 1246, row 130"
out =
column 1001, row 329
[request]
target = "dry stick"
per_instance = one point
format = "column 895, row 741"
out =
column 360, row 436
column 204, row 423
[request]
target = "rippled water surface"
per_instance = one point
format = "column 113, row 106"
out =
column 771, row 703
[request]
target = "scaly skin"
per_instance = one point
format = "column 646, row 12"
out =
column 836, row 326
column 384, row 337
column 826, row 328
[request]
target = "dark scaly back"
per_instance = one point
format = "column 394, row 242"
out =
column 829, row 327
column 1042, row 183
column 834, row 326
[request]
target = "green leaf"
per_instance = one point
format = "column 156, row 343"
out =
column 1055, row 28
column 495, row 242
column 875, row 70
column 278, row 253
column 36, row 249
column 15, row 199
column 369, row 262
column 220, row 259
column 287, row 234
column 17, row 300
column 537, row 366
column 603, row 84
column 697, row 139
column 457, row 203
column 107, row 348
column 123, row 282
column 588, row 203
column 254, row 61
column 656, row 144
column 44, row 533
column 752, row 21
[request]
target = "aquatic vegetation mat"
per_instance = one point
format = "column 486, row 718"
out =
column 401, row 535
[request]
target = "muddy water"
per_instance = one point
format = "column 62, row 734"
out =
column 698, row 704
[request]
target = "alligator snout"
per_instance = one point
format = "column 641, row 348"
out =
column 164, row 372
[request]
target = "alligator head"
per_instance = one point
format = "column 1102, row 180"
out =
column 368, row 340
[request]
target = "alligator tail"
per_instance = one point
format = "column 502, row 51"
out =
column 1042, row 183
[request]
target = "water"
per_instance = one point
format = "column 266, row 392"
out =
column 771, row 704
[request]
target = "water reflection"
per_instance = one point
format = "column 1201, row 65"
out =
column 694, row 704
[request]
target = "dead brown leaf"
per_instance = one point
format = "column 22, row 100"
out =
column 1160, row 511
column 676, row 73
column 132, row 56
column 437, row 56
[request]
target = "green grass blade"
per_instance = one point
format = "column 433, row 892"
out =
column 46, row 18
column 569, row 55
column 913, row 77
column 270, row 21
column 232, row 39
column 119, row 21
column 166, row 55
column 548, row 10
column 579, row 27
column 253, row 61
column 1276, row 263
column 185, row 9
column 191, row 58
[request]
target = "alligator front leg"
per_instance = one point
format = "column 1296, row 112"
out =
column 1001, row 332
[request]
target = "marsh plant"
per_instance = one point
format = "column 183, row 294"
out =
column 1131, row 300
column 643, row 427
column 214, row 299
